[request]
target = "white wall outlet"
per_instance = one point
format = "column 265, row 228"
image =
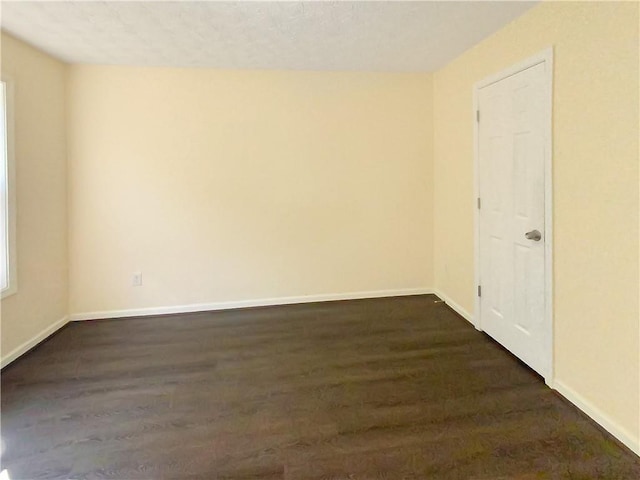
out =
column 136, row 279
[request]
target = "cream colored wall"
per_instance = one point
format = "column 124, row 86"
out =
column 228, row 186
column 40, row 156
column 595, row 162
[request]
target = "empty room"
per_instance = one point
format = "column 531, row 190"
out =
column 320, row 240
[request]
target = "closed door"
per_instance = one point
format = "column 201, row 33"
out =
column 511, row 170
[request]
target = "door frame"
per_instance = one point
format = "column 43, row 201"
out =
column 546, row 57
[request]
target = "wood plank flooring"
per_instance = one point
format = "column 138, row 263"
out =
column 397, row 388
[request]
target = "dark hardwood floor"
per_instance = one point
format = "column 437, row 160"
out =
column 398, row 388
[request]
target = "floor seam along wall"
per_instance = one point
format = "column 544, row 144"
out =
column 583, row 404
column 598, row 416
column 33, row 341
column 262, row 302
column 566, row 391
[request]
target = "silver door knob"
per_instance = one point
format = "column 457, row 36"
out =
column 534, row 235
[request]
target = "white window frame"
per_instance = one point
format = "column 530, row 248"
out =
column 8, row 179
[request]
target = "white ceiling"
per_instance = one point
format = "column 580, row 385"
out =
column 344, row 35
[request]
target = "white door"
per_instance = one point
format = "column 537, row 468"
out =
column 512, row 129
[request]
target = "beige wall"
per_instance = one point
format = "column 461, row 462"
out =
column 40, row 156
column 595, row 161
column 228, row 186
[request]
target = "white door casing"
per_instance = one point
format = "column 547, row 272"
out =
column 513, row 182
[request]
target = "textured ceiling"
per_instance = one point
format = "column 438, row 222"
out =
column 370, row 36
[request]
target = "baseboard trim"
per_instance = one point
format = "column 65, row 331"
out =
column 32, row 342
column 598, row 416
column 263, row 302
column 458, row 309
column 567, row 392
column 563, row 389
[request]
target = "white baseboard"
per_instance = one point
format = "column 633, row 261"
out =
column 578, row 400
column 263, row 302
column 32, row 342
column 461, row 311
column 598, row 416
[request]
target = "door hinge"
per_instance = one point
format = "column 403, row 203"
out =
column 479, row 203
column 479, row 291
column 478, row 116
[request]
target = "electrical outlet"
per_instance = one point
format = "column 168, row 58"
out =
column 136, row 279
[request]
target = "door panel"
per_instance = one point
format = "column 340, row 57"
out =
column 511, row 148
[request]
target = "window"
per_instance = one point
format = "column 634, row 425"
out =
column 8, row 277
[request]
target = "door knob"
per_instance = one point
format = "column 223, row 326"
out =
column 534, row 235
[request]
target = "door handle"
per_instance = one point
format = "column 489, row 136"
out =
column 534, row 235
